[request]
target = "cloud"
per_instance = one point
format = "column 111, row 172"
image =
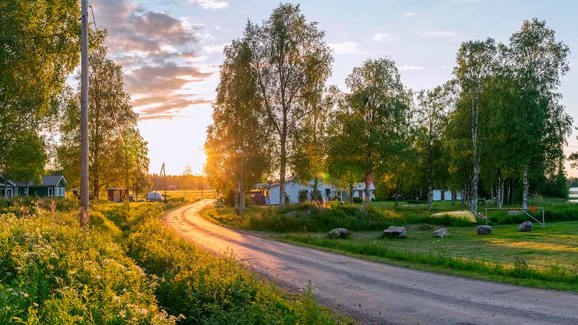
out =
column 218, row 48
column 410, row 14
column 435, row 34
column 212, row 4
column 347, row 48
column 158, row 53
column 411, row 68
column 382, row 37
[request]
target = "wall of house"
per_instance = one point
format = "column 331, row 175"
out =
column 292, row 190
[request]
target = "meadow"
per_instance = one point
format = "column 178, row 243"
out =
column 128, row 269
column 546, row 257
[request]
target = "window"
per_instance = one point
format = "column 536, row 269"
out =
column 50, row 191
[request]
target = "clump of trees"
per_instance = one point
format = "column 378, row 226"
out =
column 38, row 50
column 495, row 130
column 118, row 154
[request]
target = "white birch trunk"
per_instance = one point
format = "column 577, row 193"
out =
column 525, row 187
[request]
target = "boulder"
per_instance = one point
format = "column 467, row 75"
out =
column 484, row 230
column 441, row 233
column 340, row 233
column 525, row 226
column 394, row 232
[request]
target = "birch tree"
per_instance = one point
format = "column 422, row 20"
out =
column 374, row 117
column 538, row 61
column 290, row 63
column 434, row 106
column 475, row 64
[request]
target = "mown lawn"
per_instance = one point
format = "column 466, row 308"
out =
column 546, row 257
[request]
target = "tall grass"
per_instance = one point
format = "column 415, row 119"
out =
column 129, row 269
column 204, row 288
column 51, row 272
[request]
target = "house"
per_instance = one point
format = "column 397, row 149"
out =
column 327, row 191
column 51, row 186
column 8, row 188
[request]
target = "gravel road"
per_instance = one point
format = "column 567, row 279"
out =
column 374, row 293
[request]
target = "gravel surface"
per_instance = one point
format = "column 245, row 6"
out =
column 374, row 293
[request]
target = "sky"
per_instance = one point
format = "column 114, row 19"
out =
column 170, row 51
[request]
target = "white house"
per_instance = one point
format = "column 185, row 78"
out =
column 444, row 195
column 328, row 191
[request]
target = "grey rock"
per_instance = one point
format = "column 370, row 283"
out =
column 441, row 233
column 484, row 230
column 394, row 232
column 525, row 226
column 340, row 233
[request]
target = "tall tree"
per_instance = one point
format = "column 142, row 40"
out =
column 38, row 49
column 373, row 118
column 238, row 141
column 111, row 118
column 538, row 61
column 475, row 64
column 432, row 119
column 290, row 63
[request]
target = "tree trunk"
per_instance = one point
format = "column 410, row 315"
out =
column 525, row 187
column 454, row 194
column 430, row 195
column 367, row 190
column 350, row 193
column 396, row 194
column 475, row 159
column 283, row 166
column 500, row 199
column 315, row 186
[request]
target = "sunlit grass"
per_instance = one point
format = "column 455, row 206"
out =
column 544, row 257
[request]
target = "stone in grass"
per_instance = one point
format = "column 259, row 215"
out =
column 525, row 226
column 394, row 232
column 484, row 230
column 441, row 233
column 339, row 233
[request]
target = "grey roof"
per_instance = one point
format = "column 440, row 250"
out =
column 52, row 180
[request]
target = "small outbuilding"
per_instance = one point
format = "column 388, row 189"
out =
column 117, row 194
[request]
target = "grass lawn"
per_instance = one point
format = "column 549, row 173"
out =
column 546, row 257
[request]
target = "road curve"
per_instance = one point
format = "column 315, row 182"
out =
column 375, row 293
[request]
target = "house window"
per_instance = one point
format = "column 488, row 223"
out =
column 50, row 191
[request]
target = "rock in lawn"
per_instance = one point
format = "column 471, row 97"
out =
column 525, row 226
column 441, row 233
column 339, row 233
column 484, row 230
column 394, row 232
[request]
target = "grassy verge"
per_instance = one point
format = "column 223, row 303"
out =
column 544, row 258
column 130, row 269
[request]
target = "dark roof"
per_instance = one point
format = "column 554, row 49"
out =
column 52, row 180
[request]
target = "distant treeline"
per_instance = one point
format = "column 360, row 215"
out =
column 178, row 182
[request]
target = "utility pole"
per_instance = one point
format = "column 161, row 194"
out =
column 84, row 195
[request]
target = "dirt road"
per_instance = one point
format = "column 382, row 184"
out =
column 376, row 293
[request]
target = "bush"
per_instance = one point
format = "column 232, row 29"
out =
column 356, row 199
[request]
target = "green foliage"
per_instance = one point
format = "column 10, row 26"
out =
column 51, row 272
column 39, row 49
column 204, row 288
column 119, row 154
